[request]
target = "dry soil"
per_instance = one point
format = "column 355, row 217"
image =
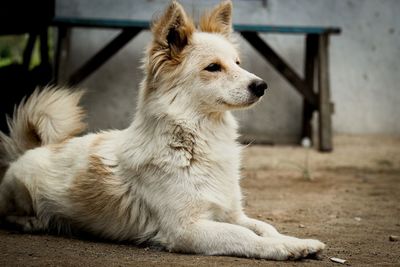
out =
column 349, row 199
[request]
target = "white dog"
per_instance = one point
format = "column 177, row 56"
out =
column 170, row 178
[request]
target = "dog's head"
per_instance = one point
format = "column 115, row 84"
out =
column 199, row 67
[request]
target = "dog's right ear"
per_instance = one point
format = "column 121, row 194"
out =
column 218, row 20
column 172, row 31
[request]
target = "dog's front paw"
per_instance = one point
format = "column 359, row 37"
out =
column 291, row 248
column 304, row 248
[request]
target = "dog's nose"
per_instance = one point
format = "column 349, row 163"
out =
column 257, row 87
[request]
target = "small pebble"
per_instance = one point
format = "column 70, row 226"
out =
column 301, row 226
column 357, row 219
column 338, row 260
column 394, row 238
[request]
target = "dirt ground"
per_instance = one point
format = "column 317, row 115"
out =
column 349, row 199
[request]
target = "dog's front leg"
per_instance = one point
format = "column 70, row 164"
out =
column 217, row 238
column 266, row 230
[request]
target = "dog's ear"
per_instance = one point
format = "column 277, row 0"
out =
column 218, row 20
column 173, row 30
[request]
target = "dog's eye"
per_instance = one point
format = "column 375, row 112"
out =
column 237, row 62
column 213, row 67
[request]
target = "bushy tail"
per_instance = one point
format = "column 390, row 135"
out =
column 48, row 116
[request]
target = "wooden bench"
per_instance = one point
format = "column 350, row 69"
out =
column 314, row 87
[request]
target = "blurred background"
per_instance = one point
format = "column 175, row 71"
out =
column 364, row 62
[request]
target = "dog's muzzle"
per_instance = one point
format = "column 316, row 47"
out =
column 258, row 87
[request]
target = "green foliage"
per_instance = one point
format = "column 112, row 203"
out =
column 12, row 49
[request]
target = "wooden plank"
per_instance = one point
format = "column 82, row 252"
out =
column 144, row 24
column 281, row 66
column 100, row 23
column 325, row 110
column 285, row 29
column 103, row 55
column 310, row 63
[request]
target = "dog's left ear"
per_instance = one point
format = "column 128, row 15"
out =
column 219, row 20
column 172, row 31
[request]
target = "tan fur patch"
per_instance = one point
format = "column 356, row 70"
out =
column 92, row 191
column 219, row 20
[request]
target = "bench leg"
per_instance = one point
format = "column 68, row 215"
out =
column 27, row 55
column 324, row 105
column 103, row 55
column 309, row 78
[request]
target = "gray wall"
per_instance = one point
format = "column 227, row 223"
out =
column 364, row 60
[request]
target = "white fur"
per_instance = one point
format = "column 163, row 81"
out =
column 171, row 178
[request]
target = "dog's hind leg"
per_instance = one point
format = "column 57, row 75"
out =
column 15, row 198
column 26, row 223
column 5, row 204
column 16, row 209
column 6, row 200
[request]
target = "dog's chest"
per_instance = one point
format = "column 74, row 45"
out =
column 214, row 172
column 200, row 167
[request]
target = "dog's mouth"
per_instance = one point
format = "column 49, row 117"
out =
column 249, row 103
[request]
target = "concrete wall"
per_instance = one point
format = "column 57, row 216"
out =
column 365, row 66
